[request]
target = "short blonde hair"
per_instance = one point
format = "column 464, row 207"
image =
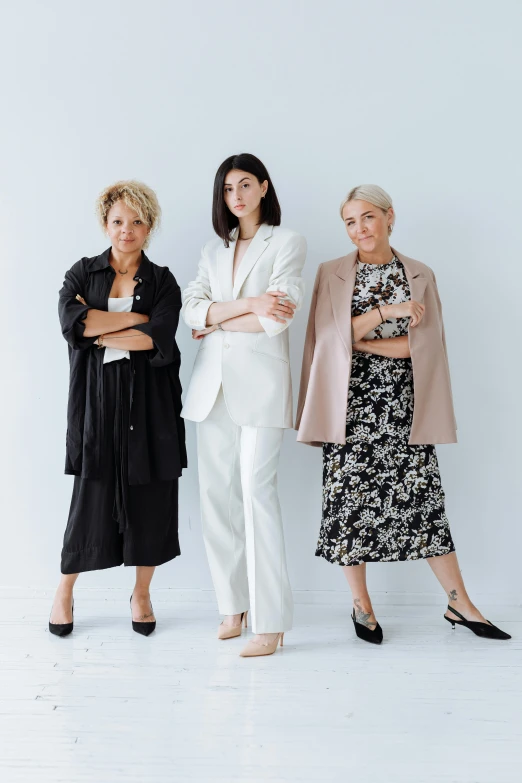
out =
column 135, row 195
column 374, row 195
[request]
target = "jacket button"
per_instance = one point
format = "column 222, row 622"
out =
column 138, row 297
column 131, row 427
column 227, row 345
column 140, row 280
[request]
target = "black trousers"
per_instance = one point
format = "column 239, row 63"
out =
column 111, row 522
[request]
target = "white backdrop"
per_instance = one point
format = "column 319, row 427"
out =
column 421, row 98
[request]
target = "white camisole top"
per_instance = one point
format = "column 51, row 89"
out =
column 118, row 305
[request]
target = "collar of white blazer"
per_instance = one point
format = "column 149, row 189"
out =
column 347, row 270
column 252, row 255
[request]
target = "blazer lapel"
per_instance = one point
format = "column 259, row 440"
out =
column 416, row 280
column 341, row 285
column 254, row 252
column 225, row 265
column 418, row 285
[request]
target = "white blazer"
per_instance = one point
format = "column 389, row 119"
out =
column 254, row 368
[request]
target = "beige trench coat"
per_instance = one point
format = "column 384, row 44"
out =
column 327, row 359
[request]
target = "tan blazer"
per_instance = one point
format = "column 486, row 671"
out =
column 327, row 359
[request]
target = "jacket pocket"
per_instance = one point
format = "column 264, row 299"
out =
column 269, row 346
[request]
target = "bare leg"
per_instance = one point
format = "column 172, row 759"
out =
column 362, row 604
column 141, row 605
column 61, row 612
column 446, row 569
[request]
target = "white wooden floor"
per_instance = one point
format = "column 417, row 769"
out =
column 106, row 705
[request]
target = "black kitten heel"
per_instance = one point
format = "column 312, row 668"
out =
column 145, row 629
column 365, row 633
column 486, row 630
column 62, row 629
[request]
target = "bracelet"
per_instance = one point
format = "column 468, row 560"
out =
column 379, row 309
column 100, row 341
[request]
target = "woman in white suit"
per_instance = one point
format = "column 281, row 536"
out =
column 239, row 307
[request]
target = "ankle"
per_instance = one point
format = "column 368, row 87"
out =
column 459, row 601
column 140, row 594
column 363, row 603
column 232, row 619
column 266, row 638
column 64, row 592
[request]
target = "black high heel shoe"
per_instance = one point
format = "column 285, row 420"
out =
column 62, row 629
column 365, row 633
column 486, row 630
column 144, row 628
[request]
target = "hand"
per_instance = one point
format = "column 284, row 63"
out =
column 269, row 305
column 199, row 334
column 413, row 310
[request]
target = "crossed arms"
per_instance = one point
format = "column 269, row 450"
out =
column 116, row 329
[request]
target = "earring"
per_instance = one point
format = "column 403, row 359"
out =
column 390, row 229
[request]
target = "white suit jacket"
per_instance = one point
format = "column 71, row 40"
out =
column 254, row 368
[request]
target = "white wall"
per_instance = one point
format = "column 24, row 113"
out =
column 421, row 98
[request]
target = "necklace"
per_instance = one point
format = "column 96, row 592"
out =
column 246, row 238
column 122, row 273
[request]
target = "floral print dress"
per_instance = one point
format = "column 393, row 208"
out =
column 382, row 498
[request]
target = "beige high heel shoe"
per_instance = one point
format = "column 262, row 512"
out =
column 254, row 649
column 231, row 631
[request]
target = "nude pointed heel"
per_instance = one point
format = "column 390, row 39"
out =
column 231, row 631
column 254, row 649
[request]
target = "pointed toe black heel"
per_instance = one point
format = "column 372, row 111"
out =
column 62, row 629
column 145, row 629
column 486, row 630
column 365, row 633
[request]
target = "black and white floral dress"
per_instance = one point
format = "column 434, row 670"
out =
column 382, row 498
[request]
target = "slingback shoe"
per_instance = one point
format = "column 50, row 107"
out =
column 365, row 633
column 486, row 630
column 231, row 631
column 254, row 649
column 62, row 629
column 145, row 629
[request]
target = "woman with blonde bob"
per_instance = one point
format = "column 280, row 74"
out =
column 375, row 395
column 125, row 442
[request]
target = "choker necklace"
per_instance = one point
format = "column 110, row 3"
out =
column 122, row 273
column 253, row 235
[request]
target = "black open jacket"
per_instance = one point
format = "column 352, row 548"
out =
column 157, row 435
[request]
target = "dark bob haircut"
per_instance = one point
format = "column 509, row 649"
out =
column 222, row 218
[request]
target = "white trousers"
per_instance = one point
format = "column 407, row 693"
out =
column 241, row 519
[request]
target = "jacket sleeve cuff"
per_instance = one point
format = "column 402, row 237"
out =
column 195, row 315
column 271, row 327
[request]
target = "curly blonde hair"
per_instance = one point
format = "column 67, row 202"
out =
column 135, row 195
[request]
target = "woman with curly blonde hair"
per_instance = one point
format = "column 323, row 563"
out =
column 125, row 442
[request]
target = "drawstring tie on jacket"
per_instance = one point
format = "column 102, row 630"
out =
column 119, row 512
